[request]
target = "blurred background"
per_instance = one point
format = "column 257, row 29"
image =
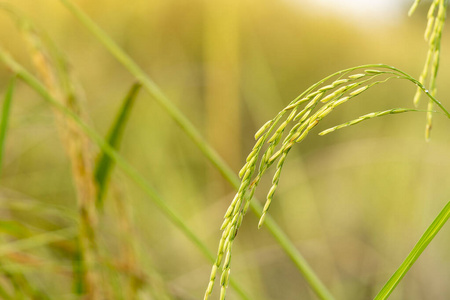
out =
column 353, row 202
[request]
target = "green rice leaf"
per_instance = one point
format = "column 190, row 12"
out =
column 421, row 245
column 105, row 164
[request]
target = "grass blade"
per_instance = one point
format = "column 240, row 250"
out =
column 426, row 238
column 105, row 164
column 198, row 140
column 5, row 117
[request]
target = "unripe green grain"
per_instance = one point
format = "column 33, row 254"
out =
column 339, row 82
column 302, row 136
column 432, row 8
column 328, row 97
column 356, row 76
column 429, row 28
column 291, row 116
column 263, row 129
column 340, row 101
column 371, row 71
column 303, row 114
column 224, row 279
column 359, row 91
column 413, row 7
column 326, row 88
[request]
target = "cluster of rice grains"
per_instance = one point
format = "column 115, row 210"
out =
column 436, row 18
column 303, row 114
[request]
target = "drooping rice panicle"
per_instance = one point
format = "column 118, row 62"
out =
column 280, row 134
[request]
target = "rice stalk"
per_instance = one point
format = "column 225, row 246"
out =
column 77, row 145
column 271, row 134
column 78, row 149
column 436, row 16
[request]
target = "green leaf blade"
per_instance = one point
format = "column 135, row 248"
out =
column 105, row 164
column 415, row 253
